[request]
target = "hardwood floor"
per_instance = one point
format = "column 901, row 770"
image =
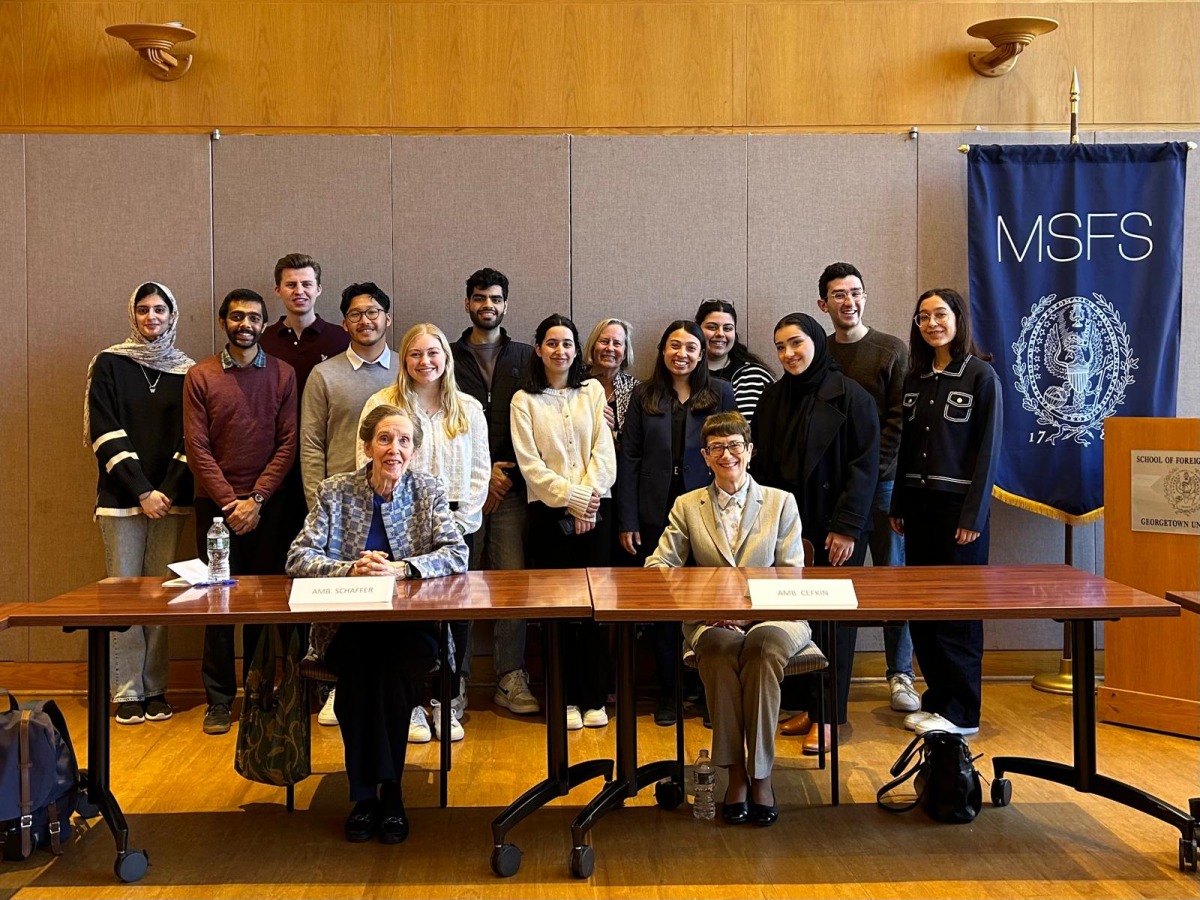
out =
column 211, row 834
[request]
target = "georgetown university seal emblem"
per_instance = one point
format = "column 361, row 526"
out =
column 1073, row 364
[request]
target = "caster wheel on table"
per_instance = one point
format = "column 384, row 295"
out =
column 131, row 865
column 583, row 862
column 668, row 795
column 1187, row 855
column 506, row 860
column 1001, row 792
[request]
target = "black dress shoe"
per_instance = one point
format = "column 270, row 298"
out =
column 735, row 813
column 764, row 815
column 393, row 829
column 360, row 826
column 664, row 711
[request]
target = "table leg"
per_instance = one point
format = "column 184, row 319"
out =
column 561, row 776
column 1082, row 775
column 130, row 864
column 445, row 712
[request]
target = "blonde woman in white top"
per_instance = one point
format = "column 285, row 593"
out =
column 455, row 449
column 565, row 450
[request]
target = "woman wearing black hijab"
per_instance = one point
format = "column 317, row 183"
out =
column 816, row 435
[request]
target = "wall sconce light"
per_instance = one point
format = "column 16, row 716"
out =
column 1009, row 37
column 153, row 44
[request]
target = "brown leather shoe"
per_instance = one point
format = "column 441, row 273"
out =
column 811, row 744
column 800, row 723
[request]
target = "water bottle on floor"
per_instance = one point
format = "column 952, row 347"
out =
column 218, row 551
column 705, row 777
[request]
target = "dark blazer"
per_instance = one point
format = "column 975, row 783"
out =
column 840, row 458
column 645, row 467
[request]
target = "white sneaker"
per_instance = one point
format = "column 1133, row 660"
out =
column 574, row 719
column 327, row 716
column 595, row 718
column 418, row 727
column 456, row 729
column 912, row 720
column 514, row 695
column 904, row 696
column 941, row 723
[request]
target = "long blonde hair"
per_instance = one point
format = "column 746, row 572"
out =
column 403, row 395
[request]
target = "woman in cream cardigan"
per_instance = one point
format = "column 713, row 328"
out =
column 737, row 522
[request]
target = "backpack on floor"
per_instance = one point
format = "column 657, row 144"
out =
column 946, row 781
column 39, row 778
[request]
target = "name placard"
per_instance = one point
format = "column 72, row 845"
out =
column 802, row 593
column 1164, row 491
column 368, row 592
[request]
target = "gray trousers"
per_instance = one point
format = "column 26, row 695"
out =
column 741, row 675
column 500, row 546
column 134, row 546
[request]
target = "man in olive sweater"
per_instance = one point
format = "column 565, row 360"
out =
column 878, row 362
column 239, row 428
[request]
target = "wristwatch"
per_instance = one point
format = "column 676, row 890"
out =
column 258, row 497
column 411, row 573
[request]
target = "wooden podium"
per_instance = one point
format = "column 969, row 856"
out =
column 1152, row 667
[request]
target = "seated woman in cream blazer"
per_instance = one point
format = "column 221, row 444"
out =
column 737, row 522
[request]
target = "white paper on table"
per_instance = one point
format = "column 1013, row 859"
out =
column 802, row 593
column 367, row 592
column 190, row 572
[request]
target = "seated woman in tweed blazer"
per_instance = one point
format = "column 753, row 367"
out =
column 737, row 522
column 380, row 520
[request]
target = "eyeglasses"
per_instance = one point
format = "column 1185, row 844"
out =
column 356, row 316
column 843, row 296
column 941, row 316
column 716, row 451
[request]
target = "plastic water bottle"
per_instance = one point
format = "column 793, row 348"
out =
column 218, row 551
column 705, row 806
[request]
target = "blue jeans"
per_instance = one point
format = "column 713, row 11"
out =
column 887, row 549
column 500, row 546
column 136, row 546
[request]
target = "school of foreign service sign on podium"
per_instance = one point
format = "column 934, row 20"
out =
column 1076, row 277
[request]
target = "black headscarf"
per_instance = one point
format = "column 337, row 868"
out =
column 790, row 408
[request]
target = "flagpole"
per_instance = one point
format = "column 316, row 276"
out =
column 1061, row 682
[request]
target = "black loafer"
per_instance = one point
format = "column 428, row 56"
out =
column 393, row 829
column 764, row 816
column 360, row 826
column 735, row 813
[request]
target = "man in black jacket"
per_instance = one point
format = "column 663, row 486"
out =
column 490, row 366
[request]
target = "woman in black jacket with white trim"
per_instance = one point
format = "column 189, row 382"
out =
column 949, row 449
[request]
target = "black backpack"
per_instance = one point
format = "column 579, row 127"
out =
column 39, row 778
column 947, row 784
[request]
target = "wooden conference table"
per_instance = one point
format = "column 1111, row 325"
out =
column 116, row 603
column 627, row 596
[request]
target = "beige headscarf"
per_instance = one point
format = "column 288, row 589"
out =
column 160, row 354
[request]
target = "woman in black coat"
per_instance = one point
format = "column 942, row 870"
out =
column 816, row 434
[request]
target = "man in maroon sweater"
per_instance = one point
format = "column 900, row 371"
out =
column 239, row 428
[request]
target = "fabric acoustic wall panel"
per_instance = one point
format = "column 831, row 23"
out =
column 657, row 225
column 464, row 203
column 105, row 213
column 327, row 196
column 14, row 392
column 818, row 199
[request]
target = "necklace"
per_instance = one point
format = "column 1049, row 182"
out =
column 153, row 385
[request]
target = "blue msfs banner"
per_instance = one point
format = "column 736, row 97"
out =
column 1076, row 259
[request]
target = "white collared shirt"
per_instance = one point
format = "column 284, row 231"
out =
column 729, row 508
column 357, row 362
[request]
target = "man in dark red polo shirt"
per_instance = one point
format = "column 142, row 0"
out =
column 302, row 339
column 239, row 432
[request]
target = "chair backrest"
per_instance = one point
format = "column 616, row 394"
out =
column 809, row 553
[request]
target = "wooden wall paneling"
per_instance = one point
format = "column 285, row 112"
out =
column 11, row 107
column 657, row 224
column 105, row 213
column 1147, row 56
column 463, row 203
column 562, row 64
column 902, row 64
column 286, row 64
column 1188, row 397
column 14, row 394
column 327, row 196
